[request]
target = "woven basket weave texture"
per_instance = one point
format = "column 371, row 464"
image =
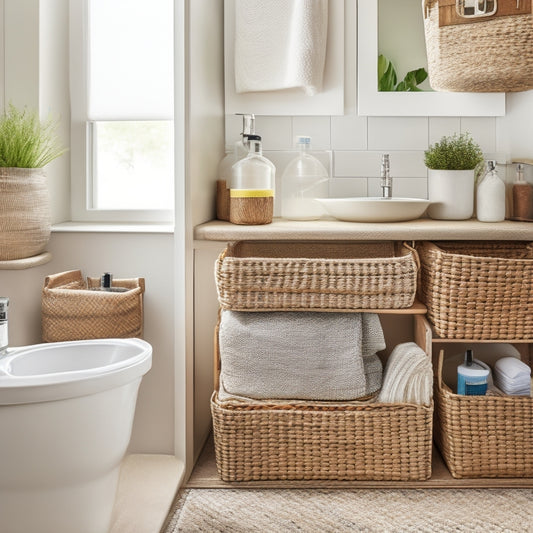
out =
column 24, row 213
column 71, row 311
column 301, row 276
column 494, row 55
column 310, row 442
column 484, row 436
column 478, row 290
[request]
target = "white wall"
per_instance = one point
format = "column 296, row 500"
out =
column 126, row 255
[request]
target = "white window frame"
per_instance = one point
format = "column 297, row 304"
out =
column 80, row 138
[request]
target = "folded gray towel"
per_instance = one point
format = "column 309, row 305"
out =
column 297, row 355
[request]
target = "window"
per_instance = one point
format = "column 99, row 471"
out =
column 122, row 110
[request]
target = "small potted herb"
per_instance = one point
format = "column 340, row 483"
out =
column 452, row 164
column 27, row 144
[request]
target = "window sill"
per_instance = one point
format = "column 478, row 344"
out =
column 111, row 227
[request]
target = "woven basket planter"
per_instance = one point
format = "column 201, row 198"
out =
column 72, row 311
column 301, row 276
column 479, row 55
column 24, row 213
column 478, row 290
column 483, row 436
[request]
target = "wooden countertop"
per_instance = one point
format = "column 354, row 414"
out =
column 330, row 229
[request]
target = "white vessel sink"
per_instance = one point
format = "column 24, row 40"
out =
column 374, row 209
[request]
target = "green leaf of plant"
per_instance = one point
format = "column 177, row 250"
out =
column 401, row 86
column 420, row 75
column 388, row 80
column 383, row 63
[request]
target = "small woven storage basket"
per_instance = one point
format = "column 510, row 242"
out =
column 301, row 276
column 478, row 290
column 71, row 311
column 493, row 54
column 483, row 436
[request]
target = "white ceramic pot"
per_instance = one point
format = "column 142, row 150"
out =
column 451, row 193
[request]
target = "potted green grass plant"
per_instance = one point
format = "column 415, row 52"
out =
column 27, row 144
column 451, row 164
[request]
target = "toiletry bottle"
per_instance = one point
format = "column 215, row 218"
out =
column 490, row 203
column 234, row 153
column 106, row 284
column 4, row 340
column 304, row 179
column 522, row 196
column 472, row 376
column 252, row 187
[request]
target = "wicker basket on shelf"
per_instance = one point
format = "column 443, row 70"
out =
column 483, row 436
column 72, row 311
column 479, row 53
column 478, row 290
column 301, row 276
column 312, row 440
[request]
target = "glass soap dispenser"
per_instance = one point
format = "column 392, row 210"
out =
column 304, row 179
column 490, row 202
column 234, row 153
column 252, row 187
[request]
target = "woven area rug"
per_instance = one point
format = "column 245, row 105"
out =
column 337, row 511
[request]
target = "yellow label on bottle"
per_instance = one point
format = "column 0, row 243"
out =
column 251, row 193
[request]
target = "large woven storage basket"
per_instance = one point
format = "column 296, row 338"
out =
column 493, row 54
column 301, row 276
column 311, row 441
column 483, row 436
column 71, row 311
column 478, row 290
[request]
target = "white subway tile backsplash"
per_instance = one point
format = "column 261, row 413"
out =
column 349, row 132
column 402, row 187
column 443, row 126
column 483, row 131
column 318, row 128
column 276, row 132
column 407, row 164
column 356, row 164
column 397, row 133
column 348, row 187
column 351, row 147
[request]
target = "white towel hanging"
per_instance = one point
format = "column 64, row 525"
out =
column 280, row 44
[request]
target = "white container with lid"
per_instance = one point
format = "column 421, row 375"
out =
column 304, row 179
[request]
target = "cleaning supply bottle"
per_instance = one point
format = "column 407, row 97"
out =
column 234, row 153
column 304, row 179
column 252, row 187
column 522, row 196
column 490, row 203
column 472, row 376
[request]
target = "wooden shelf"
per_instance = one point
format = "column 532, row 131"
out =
column 205, row 475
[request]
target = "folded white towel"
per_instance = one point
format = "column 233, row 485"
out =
column 512, row 376
column 280, row 44
column 297, row 355
column 408, row 376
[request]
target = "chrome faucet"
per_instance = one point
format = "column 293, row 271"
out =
column 386, row 180
column 4, row 303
